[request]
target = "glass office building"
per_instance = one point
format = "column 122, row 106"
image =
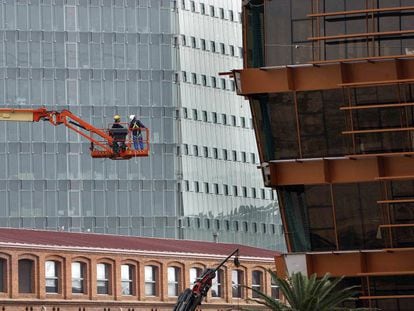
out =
column 98, row 58
column 330, row 84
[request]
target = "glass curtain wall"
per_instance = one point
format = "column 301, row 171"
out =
column 326, row 36
column 322, row 122
column 351, row 216
column 96, row 58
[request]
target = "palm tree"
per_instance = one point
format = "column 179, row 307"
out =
column 306, row 294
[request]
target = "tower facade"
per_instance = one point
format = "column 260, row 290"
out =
column 99, row 58
column 221, row 188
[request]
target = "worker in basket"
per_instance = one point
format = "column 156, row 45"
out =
column 119, row 133
column 135, row 127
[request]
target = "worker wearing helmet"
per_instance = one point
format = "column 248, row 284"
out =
column 135, row 127
column 118, row 132
column 117, row 122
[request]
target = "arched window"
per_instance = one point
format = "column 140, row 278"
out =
column 26, row 276
column 151, row 280
column 78, row 277
column 103, row 274
column 274, row 288
column 237, row 279
column 217, row 285
column 3, row 275
column 194, row 274
column 257, row 282
column 173, row 281
column 52, row 272
column 127, row 279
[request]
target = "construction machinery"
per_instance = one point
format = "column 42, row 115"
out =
column 192, row 297
column 112, row 143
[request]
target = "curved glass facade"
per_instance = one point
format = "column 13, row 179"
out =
column 98, row 58
column 333, row 110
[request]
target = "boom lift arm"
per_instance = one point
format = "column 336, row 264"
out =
column 102, row 142
column 191, row 298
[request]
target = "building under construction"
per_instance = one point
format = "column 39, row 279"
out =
column 331, row 88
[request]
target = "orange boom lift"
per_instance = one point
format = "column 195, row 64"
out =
column 102, row 140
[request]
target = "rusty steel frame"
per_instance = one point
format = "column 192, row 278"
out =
column 398, row 105
column 363, row 263
column 356, row 12
column 312, row 77
column 362, row 35
column 397, row 201
column 340, row 170
column 358, row 59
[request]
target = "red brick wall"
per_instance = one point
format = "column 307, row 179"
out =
column 11, row 299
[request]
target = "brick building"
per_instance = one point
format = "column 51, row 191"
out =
column 43, row 270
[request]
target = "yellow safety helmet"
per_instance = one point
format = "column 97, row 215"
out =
column 117, row 117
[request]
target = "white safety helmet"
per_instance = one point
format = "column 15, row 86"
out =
column 131, row 117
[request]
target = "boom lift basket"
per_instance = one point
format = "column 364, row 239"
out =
column 115, row 144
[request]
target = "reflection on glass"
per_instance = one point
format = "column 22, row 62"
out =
column 237, row 281
column 51, row 277
column 78, row 277
column 257, row 282
column 102, row 278
column 173, row 279
column 127, row 279
column 150, row 280
column 217, row 285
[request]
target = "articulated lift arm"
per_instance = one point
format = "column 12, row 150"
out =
column 190, row 299
column 102, row 142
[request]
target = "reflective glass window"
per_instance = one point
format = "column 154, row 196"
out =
column 127, row 279
column 52, row 276
column 212, row 13
column 257, row 283
column 173, row 281
column 78, row 277
column 151, row 276
column 274, row 289
column 102, row 278
column 217, row 284
column 237, row 280
column 194, row 274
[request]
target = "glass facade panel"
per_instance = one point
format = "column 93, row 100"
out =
column 294, row 46
column 356, row 213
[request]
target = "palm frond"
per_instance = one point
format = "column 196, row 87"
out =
column 307, row 293
column 266, row 300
